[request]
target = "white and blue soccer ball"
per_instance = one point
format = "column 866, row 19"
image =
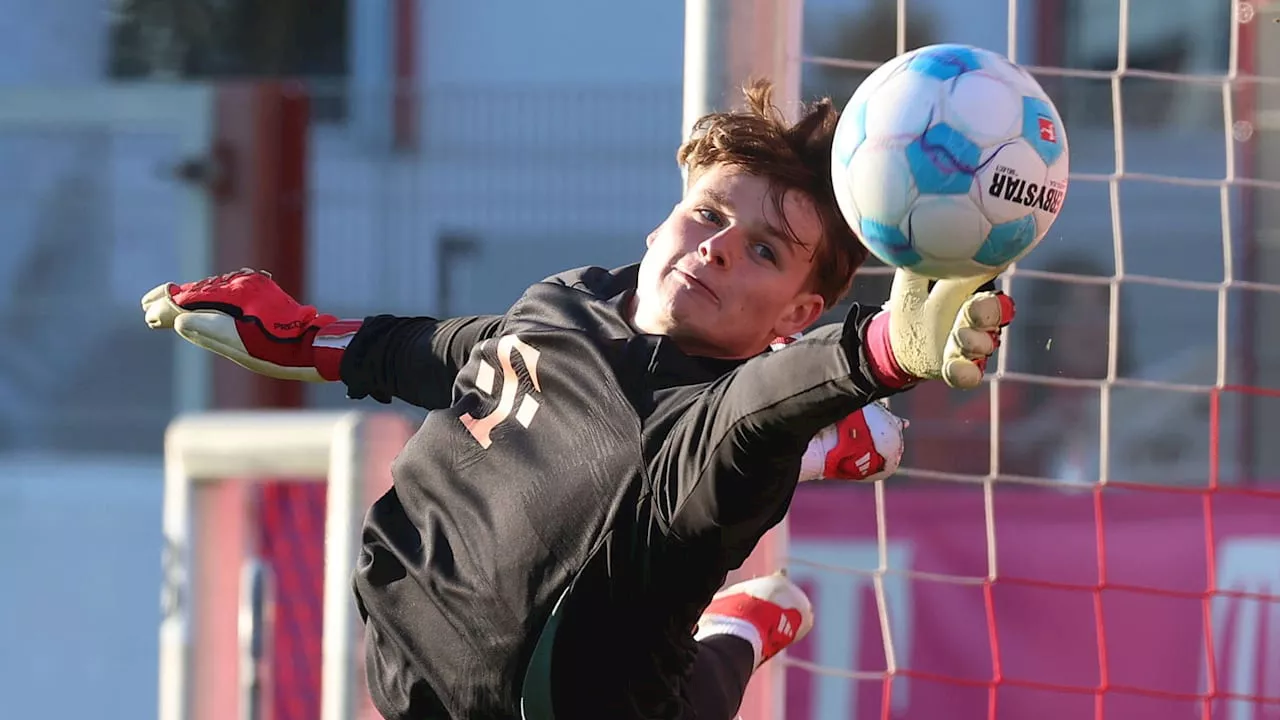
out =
column 950, row 161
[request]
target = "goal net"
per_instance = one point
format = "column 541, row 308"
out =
column 1096, row 533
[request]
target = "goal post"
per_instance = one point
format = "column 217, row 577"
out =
column 227, row 451
column 726, row 44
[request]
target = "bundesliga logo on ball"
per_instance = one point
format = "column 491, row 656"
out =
column 950, row 161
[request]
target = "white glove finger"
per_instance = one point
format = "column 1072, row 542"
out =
column 988, row 311
column 156, row 293
column 213, row 331
column 160, row 309
column 216, row 332
column 973, row 343
column 962, row 373
column 981, row 311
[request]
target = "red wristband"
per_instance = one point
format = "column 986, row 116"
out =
column 884, row 366
column 329, row 344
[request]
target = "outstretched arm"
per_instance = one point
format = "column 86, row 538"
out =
column 414, row 359
column 247, row 318
column 730, row 466
column 866, row 445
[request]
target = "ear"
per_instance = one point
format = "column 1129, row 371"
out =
column 800, row 314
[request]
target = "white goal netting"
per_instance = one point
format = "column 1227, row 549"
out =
column 1096, row 534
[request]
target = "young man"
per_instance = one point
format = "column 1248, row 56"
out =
column 603, row 454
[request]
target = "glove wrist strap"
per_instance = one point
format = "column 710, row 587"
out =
column 330, row 343
column 884, row 366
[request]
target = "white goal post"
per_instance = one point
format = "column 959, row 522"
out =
column 350, row 451
column 726, row 44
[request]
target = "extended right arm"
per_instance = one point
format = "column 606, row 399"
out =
column 247, row 318
column 415, row 359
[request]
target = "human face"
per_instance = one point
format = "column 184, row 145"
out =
column 721, row 275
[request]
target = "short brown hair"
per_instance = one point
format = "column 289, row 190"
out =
column 797, row 157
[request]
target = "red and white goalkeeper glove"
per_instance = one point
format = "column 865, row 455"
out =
column 247, row 318
column 866, row 445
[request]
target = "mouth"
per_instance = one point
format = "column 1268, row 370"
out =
column 697, row 284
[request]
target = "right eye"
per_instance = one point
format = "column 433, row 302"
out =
column 710, row 216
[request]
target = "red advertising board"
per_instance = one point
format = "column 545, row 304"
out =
column 1098, row 607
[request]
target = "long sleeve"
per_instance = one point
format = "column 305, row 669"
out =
column 414, row 359
column 735, row 453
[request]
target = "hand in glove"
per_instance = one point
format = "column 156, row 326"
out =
column 866, row 445
column 946, row 333
column 247, row 318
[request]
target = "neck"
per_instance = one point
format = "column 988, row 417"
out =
column 690, row 345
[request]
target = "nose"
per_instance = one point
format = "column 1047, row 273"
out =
column 719, row 249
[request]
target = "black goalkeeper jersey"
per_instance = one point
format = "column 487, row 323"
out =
column 566, row 451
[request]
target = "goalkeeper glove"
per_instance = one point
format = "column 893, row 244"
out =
column 946, row 333
column 866, row 445
column 247, row 318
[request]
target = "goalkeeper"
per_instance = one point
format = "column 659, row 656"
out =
column 605, row 452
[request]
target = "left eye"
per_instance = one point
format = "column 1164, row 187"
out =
column 765, row 252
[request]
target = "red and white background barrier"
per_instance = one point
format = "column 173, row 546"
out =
column 1110, row 604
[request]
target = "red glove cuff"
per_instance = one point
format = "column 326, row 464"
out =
column 330, row 343
column 884, row 366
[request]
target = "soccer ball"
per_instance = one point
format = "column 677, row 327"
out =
column 950, row 161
